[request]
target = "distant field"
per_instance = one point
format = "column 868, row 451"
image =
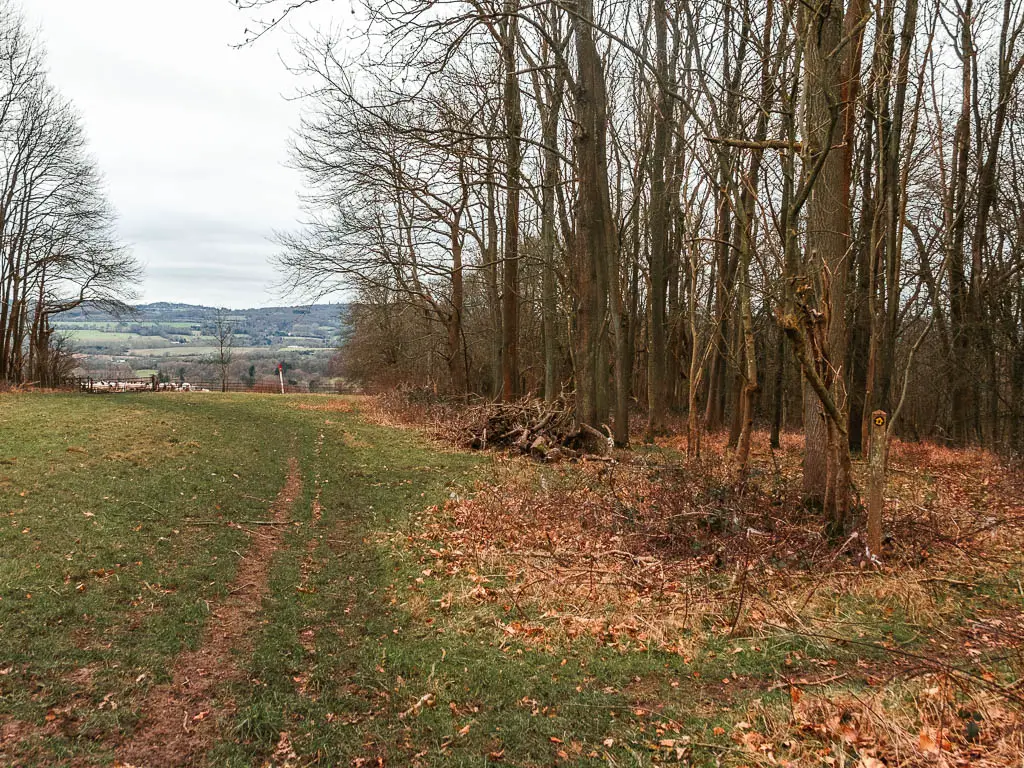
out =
column 146, row 345
column 98, row 338
column 188, row 350
column 114, row 327
column 305, row 338
column 112, row 340
column 82, row 325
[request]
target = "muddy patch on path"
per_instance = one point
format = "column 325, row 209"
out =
column 180, row 718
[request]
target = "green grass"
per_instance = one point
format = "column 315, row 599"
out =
column 101, row 338
column 106, row 574
column 113, row 326
column 103, row 577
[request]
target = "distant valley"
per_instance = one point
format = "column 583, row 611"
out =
column 179, row 341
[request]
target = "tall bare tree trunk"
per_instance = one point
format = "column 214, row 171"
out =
column 594, row 226
column 549, row 300
column 456, row 358
column 549, row 99
column 513, row 160
column 959, row 291
column 827, row 455
column 748, row 198
column 892, row 185
column 623, row 362
column 491, row 275
column 657, row 359
column 694, row 427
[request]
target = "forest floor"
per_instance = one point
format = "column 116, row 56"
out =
column 245, row 580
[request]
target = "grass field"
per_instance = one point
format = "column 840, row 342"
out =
column 89, row 325
column 104, row 338
column 236, row 580
column 149, row 346
column 188, row 351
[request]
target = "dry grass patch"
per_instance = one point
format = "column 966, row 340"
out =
column 331, row 403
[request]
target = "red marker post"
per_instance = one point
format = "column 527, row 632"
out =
column 280, row 375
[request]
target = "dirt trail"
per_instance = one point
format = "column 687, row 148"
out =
column 180, row 718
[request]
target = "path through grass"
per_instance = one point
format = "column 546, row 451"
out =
column 128, row 524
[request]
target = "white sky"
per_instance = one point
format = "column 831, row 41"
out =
column 191, row 134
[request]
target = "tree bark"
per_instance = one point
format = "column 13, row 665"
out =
column 491, row 276
column 827, row 457
column 513, row 160
column 594, row 226
column 657, row 359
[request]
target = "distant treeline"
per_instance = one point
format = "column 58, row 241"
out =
column 262, row 325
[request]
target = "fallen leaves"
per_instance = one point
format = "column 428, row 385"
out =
column 931, row 741
column 628, row 555
column 284, row 754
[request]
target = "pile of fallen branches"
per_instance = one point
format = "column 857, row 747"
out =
column 546, row 431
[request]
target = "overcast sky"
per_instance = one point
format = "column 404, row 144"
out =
column 191, row 134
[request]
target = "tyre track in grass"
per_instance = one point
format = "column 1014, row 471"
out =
column 180, row 719
column 310, row 565
column 284, row 754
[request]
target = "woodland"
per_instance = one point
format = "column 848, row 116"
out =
column 738, row 213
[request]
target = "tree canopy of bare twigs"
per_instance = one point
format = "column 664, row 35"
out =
column 58, row 244
column 764, row 211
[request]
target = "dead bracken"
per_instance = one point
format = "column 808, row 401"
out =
column 654, row 553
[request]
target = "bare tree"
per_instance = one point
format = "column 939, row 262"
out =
column 58, row 246
column 224, row 335
column 746, row 212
